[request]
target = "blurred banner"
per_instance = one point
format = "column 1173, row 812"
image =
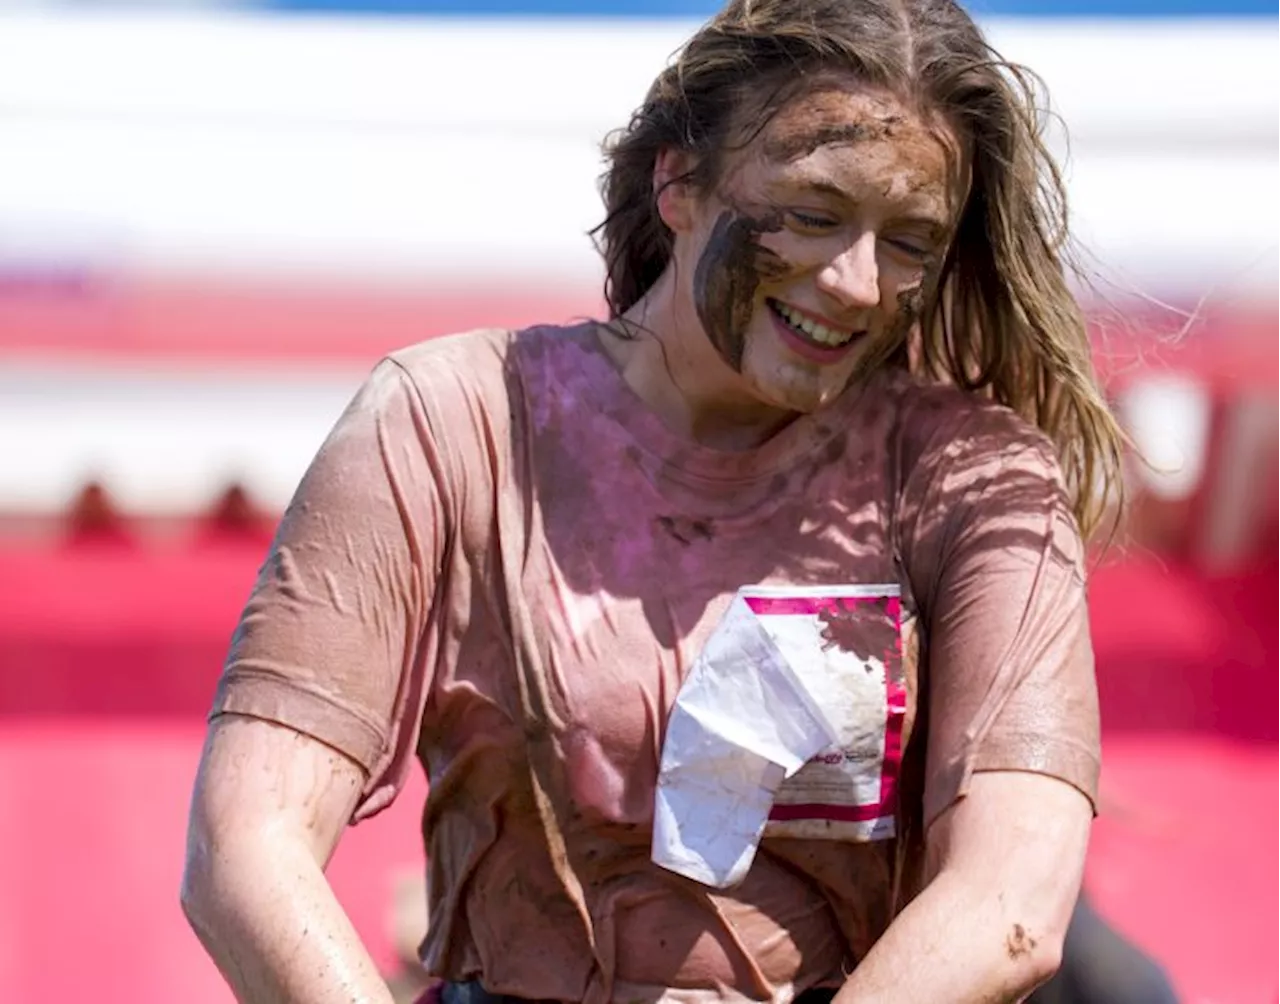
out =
column 215, row 217
column 200, row 207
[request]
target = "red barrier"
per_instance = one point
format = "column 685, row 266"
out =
column 108, row 656
column 92, row 817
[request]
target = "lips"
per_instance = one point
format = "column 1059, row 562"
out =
column 813, row 330
column 808, row 338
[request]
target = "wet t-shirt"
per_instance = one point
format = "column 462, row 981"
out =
column 502, row 563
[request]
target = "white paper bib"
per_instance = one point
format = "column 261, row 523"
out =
column 788, row 724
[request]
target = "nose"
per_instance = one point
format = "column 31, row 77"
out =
column 852, row 278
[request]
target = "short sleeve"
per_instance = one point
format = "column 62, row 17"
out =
column 333, row 640
column 1010, row 680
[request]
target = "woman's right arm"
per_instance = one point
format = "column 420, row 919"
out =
column 317, row 712
column 269, row 806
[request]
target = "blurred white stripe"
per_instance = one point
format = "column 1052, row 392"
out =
column 201, row 143
column 217, row 143
column 1198, row 78
column 162, row 441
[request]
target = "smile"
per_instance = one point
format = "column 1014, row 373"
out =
column 810, row 329
column 809, row 338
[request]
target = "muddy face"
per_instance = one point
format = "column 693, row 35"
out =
column 728, row 276
column 826, row 125
column 910, row 306
column 819, row 243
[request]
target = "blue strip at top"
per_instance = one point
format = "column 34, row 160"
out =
column 703, row 8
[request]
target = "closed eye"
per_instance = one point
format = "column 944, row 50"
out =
column 811, row 221
column 911, row 248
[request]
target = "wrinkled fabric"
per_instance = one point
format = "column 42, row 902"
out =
column 501, row 562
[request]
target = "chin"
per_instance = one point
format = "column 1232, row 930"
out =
column 781, row 380
column 802, row 400
column 802, row 393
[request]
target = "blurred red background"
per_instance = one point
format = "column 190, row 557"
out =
column 113, row 626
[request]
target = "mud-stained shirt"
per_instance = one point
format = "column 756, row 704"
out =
column 500, row 555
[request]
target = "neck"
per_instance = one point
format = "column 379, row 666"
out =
column 672, row 366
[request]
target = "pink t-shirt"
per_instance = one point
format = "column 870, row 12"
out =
column 502, row 562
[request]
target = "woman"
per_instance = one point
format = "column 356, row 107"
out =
column 513, row 547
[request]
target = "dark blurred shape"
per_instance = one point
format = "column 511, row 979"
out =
column 123, row 616
column 1101, row 967
column 94, row 518
column 235, row 517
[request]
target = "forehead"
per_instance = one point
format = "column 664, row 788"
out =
column 850, row 135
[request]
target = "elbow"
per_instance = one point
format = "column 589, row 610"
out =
column 1039, row 959
column 213, row 872
column 216, row 896
column 232, row 873
column 195, row 891
column 1034, row 955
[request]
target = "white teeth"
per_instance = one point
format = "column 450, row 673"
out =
column 818, row 332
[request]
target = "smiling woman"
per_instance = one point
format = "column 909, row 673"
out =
column 833, row 216
column 842, row 384
column 902, row 169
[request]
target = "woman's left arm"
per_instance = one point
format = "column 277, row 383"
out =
column 1005, row 863
column 1010, row 700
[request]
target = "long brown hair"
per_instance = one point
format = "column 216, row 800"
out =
column 1011, row 328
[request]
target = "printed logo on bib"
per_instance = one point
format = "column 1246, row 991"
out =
column 845, row 642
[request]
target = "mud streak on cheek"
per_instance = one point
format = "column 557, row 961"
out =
column 911, row 303
column 727, row 276
column 910, row 306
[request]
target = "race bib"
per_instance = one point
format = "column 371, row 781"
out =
column 789, row 723
column 845, row 642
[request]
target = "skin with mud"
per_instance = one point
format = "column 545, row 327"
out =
column 834, row 217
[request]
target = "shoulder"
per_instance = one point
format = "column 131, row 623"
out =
column 452, row 364
column 975, row 476
column 465, row 400
column 944, row 432
column 487, row 364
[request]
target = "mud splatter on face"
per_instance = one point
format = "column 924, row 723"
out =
column 727, row 276
column 910, row 307
column 823, row 120
column 790, row 146
column 911, row 303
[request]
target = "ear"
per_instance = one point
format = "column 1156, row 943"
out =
column 675, row 197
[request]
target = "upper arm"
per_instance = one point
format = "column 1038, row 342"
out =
column 1009, row 679
column 1022, row 834
column 261, row 780
column 334, row 642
